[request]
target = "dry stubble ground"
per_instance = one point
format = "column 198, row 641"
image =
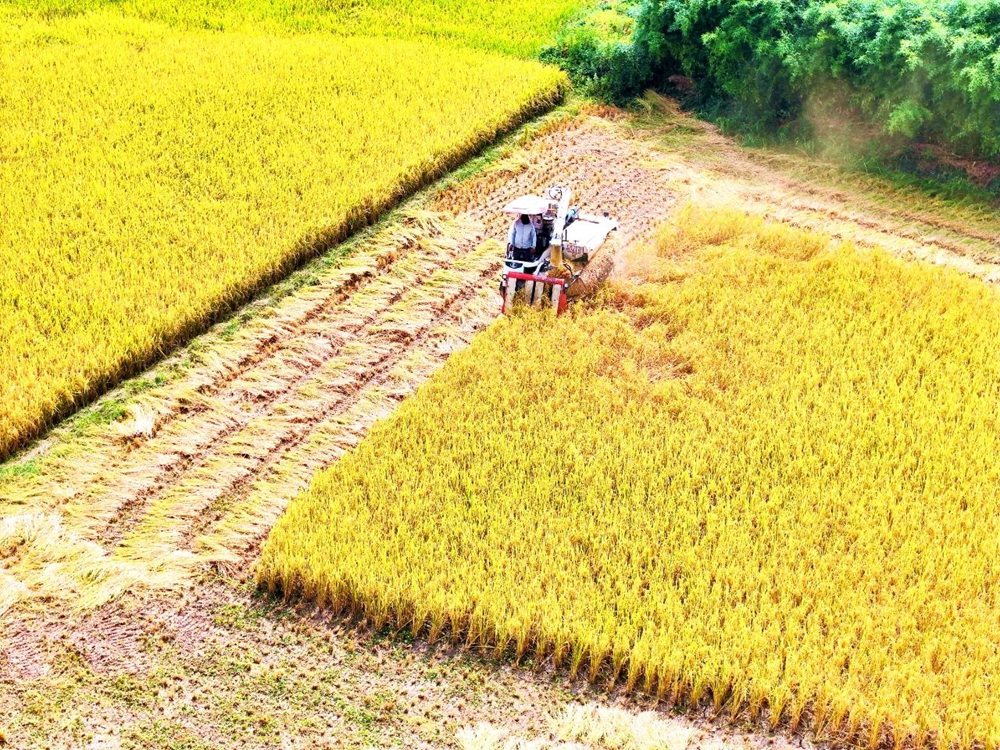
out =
column 128, row 535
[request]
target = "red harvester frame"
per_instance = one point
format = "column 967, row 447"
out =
column 558, row 295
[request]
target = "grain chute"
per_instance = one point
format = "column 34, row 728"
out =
column 563, row 261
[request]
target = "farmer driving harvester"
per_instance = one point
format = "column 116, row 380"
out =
column 527, row 240
column 550, row 248
column 522, row 243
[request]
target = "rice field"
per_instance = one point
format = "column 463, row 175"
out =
column 153, row 176
column 760, row 475
column 513, row 27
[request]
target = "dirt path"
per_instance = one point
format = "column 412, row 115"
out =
column 708, row 169
column 119, row 530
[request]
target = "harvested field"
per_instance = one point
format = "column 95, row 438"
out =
column 134, row 518
column 221, row 669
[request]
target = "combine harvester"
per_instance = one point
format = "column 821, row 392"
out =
column 565, row 262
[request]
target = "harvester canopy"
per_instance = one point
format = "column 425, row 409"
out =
column 532, row 205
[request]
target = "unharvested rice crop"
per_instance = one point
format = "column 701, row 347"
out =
column 518, row 27
column 762, row 476
column 150, row 177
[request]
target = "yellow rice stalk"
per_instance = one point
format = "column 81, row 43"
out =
column 517, row 27
column 765, row 481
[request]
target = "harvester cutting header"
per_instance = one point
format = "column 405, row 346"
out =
column 552, row 250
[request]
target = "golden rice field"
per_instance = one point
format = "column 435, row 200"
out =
column 150, row 177
column 517, row 27
column 762, row 475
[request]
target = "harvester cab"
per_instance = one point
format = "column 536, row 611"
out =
column 562, row 262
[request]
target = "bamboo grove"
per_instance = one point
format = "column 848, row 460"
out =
column 762, row 476
column 151, row 177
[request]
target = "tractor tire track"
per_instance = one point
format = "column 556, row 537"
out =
column 238, row 493
column 289, row 433
column 282, row 389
